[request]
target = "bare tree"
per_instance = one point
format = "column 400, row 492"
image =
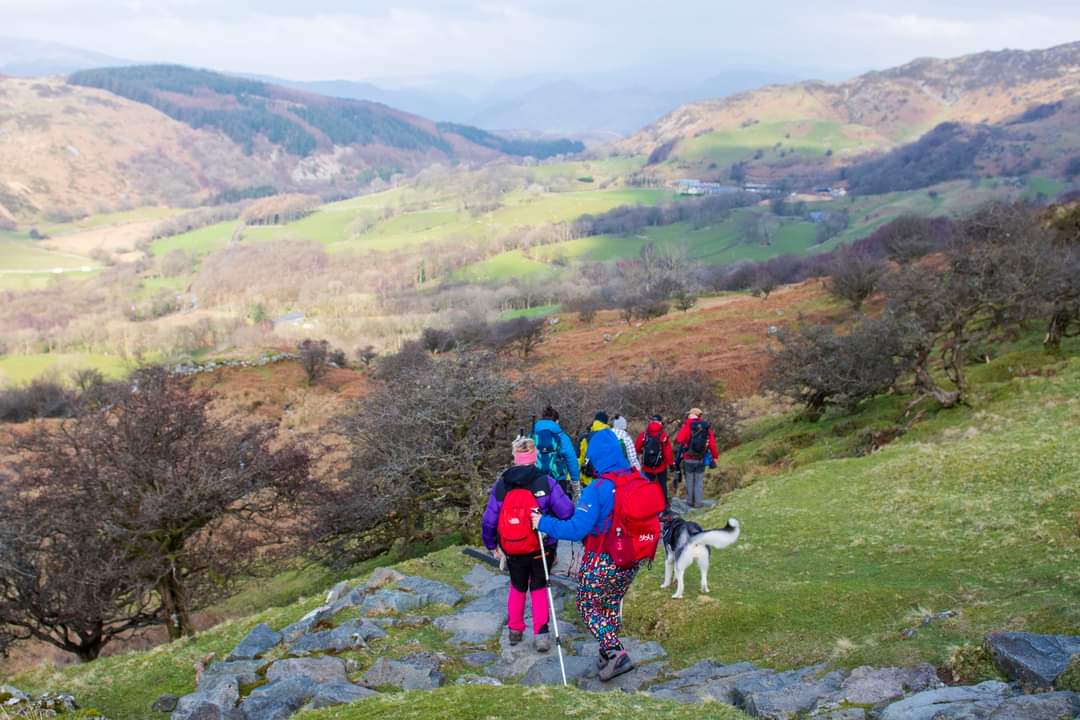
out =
column 365, row 355
column 191, row 501
column 313, row 357
column 855, row 277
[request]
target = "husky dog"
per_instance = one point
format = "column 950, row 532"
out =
column 685, row 542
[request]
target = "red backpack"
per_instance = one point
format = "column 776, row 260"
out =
column 635, row 520
column 516, row 534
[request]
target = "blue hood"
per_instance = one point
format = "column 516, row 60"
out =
column 606, row 452
column 545, row 424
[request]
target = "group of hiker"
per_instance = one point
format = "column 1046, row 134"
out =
column 620, row 485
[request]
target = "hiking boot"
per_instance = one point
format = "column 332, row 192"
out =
column 601, row 660
column 617, row 664
column 515, row 636
column 543, row 642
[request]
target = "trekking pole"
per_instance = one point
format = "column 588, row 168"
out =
column 551, row 606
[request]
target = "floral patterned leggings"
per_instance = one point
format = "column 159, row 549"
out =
column 600, row 593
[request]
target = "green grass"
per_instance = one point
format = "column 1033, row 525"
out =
column 198, row 242
column 809, row 138
column 18, row 369
column 513, row 702
column 21, row 254
column 539, row 311
column 98, row 220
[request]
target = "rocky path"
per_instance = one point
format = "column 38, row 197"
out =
column 272, row 674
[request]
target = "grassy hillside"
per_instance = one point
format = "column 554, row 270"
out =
column 974, row 510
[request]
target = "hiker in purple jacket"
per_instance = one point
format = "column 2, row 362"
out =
column 526, row 571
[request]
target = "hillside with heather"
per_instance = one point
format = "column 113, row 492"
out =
column 815, row 128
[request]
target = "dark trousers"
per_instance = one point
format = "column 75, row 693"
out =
column 527, row 571
column 660, row 477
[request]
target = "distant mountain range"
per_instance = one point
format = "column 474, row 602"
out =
column 589, row 104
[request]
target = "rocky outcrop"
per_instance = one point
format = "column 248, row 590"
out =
column 1035, row 661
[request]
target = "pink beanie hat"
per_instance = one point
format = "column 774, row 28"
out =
column 524, row 451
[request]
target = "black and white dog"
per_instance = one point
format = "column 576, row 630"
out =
column 685, row 542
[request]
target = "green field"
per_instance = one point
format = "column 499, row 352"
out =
column 18, row 369
column 809, row 138
column 18, row 253
column 99, row 220
column 197, row 242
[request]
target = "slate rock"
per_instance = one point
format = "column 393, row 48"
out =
column 321, row 669
column 492, row 601
column 408, row 621
column 546, row 670
column 10, row 692
column 950, row 702
column 873, row 686
column 382, row 577
column 348, row 635
column 792, row 700
column 430, row 591
column 280, row 699
column 479, row 659
column 1045, row 706
column 846, row 713
column 470, row 628
column 209, row 711
column 259, row 641
column 395, row 673
column 771, row 680
column 306, row 623
column 482, row 581
column 385, row 602
column 1033, row 660
column 336, row 592
column 641, row 651
column 705, row 681
column 221, row 692
column 165, row 703
column 639, row 677
column 514, row 660
column 246, row 672
column 339, row 693
column 352, row 598
column 477, row 680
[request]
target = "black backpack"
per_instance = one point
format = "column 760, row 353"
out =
column 699, row 438
column 652, row 451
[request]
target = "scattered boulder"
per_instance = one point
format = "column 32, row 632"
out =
column 306, row 623
column 259, row 641
column 9, row 693
column 873, row 686
column 407, row 676
column 165, row 703
column 336, row 592
column 339, row 693
column 280, row 699
column 470, row 628
column 322, row 669
column 217, row 694
column 481, row 581
column 383, row 576
column 975, row 701
column 1035, row 661
column 493, row 601
column 408, row 621
column 246, row 672
column 546, row 670
column 430, row 591
column 386, row 602
column 348, row 635
column 479, row 659
column 791, row 700
column 352, row 598
column 514, row 660
column 1045, row 706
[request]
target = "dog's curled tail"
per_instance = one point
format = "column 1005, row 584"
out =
column 718, row 539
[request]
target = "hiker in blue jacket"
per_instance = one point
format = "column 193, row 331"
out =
column 555, row 452
column 603, row 584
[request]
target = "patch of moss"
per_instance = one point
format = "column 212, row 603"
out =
column 1070, row 679
column 969, row 664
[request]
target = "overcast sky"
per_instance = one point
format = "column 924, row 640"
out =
column 365, row 39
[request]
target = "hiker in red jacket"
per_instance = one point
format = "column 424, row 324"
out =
column 654, row 448
column 697, row 448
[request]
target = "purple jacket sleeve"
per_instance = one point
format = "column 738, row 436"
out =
column 558, row 503
column 490, row 527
